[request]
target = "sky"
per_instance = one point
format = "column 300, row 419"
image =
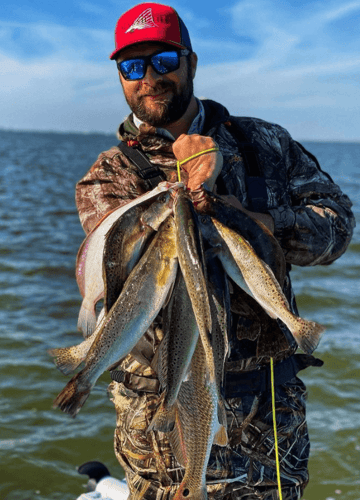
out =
column 291, row 62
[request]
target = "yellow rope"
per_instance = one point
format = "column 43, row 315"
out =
column 274, row 422
column 191, row 158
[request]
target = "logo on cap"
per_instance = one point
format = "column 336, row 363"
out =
column 145, row 20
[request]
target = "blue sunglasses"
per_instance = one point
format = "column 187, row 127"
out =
column 162, row 62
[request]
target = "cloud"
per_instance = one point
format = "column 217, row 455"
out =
column 67, row 88
column 91, row 8
column 297, row 75
column 258, row 59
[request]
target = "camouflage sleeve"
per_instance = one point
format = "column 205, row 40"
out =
column 109, row 184
column 316, row 226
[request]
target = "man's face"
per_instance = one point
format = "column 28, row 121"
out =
column 158, row 99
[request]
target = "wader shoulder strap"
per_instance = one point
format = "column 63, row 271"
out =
column 255, row 181
column 150, row 173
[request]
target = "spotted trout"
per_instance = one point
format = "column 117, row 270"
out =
column 141, row 299
column 191, row 260
column 266, row 290
column 126, row 240
column 262, row 240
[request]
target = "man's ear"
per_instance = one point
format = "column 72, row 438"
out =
column 193, row 60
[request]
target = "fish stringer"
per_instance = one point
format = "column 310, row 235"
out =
column 179, row 163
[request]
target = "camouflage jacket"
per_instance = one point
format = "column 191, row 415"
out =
column 313, row 223
column 312, row 217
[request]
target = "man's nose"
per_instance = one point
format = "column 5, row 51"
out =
column 151, row 77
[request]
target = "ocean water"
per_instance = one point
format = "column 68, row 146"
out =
column 40, row 447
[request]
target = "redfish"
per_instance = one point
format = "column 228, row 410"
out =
column 197, row 427
column 173, row 358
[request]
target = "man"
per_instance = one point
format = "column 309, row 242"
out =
column 260, row 170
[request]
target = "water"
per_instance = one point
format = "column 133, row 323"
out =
column 39, row 302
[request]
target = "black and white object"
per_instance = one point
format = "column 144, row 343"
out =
column 101, row 485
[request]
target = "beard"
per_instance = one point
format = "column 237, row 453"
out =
column 167, row 111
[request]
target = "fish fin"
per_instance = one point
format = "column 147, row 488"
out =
column 308, row 335
column 67, row 359
column 73, row 396
column 202, row 494
column 164, row 419
column 169, row 295
column 86, row 320
column 221, row 437
column 222, row 414
column 138, row 355
column 155, row 361
column 177, row 441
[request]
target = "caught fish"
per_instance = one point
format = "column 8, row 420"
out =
column 196, row 428
column 126, row 241
column 141, row 299
column 174, row 354
column 191, row 260
column 124, row 244
column 159, row 209
column 271, row 337
column 67, row 359
column 262, row 240
column 89, row 273
column 219, row 296
column 266, row 290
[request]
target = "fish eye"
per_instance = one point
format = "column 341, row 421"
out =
column 186, row 492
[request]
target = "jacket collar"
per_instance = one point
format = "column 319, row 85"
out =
column 215, row 114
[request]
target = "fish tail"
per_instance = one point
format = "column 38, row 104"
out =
column 185, row 493
column 164, row 419
column 73, row 396
column 67, row 359
column 307, row 334
column 87, row 320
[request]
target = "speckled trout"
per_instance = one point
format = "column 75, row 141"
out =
column 141, row 299
column 196, row 428
column 191, row 260
column 89, row 272
column 262, row 240
column 117, row 267
column 266, row 290
column 126, row 240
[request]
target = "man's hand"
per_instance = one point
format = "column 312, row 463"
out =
column 202, row 169
column 266, row 219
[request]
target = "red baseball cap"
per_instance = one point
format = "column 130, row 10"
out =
column 150, row 22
